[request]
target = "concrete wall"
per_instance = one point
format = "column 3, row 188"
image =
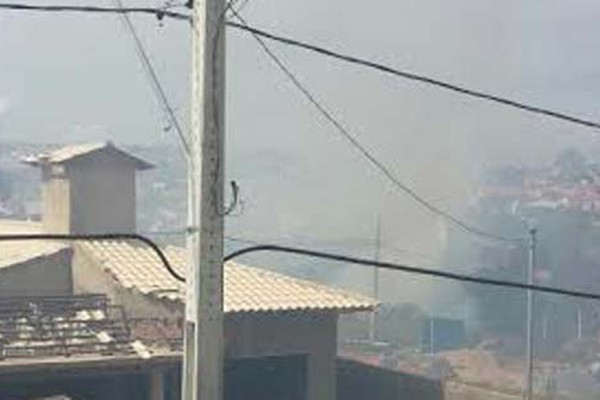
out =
column 246, row 335
column 56, row 215
column 118, row 386
column 285, row 334
column 102, row 192
column 359, row 381
column 93, row 194
column 43, row 276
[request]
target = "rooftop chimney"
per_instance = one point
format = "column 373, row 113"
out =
column 88, row 188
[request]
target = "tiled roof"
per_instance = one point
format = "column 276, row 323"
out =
column 70, row 153
column 246, row 289
column 15, row 252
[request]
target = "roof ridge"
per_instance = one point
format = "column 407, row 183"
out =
column 71, row 152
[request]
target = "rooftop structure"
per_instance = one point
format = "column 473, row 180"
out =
column 88, row 188
column 247, row 289
column 74, row 153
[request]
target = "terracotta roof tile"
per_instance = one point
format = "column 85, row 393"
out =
column 247, row 289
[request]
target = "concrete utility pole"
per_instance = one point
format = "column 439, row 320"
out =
column 203, row 342
column 579, row 323
column 373, row 318
column 530, row 300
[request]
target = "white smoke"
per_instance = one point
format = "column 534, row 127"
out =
column 4, row 105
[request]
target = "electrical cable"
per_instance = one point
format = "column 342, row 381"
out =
column 409, row 269
column 158, row 13
column 373, row 160
column 161, row 13
column 98, row 237
column 302, row 252
column 417, row 77
column 215, row 106
column 216, row 115
column 242, row 5
column 263, row 34
column 153, row 77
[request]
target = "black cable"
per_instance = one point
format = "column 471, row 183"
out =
column 242, row 5
column 216, row 113
column 161, row 13
column 260, row 33
column 96, row 237
column 153, row 77
column 302, row 252
column 416, row 77
column 158, row 13
column 361, row 148
column 408, row 269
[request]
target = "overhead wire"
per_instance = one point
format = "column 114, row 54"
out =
column 216, row 114
column 258, row 33
column 165, row 12
column 409, row 269
column 255, row 242
column 242, row 5
column 368, row 155
column 362, row 62
column 153, row 77
column 157, row 12
column 302, row 252
column 98, row 237
column 327, row 114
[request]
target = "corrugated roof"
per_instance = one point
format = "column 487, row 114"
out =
column 246, row 289
column 72, row 152
column 16, row 252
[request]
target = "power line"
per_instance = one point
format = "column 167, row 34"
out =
column 158, row 13
column 417, row 77
column 242, row 5
column 216, row 113
column 254, row 242
column 161, row 13
column 258, row 34
column 373, row 160
column 153, row 77
column 302, row 252
column 180, row 232
column 98, row 237
column 409, row 269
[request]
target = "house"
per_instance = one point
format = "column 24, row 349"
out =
column 280, row 332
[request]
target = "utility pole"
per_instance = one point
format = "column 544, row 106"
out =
column 431, row 335
column 203, row 336
column 579, row 323
column 373, row 320
column 530, row 301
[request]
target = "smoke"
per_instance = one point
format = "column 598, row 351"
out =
column 4, row 106
column 300, row 181
column 437, row 143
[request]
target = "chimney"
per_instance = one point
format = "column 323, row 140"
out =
column 88, row 188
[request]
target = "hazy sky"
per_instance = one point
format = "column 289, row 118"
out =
column 76, row 78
